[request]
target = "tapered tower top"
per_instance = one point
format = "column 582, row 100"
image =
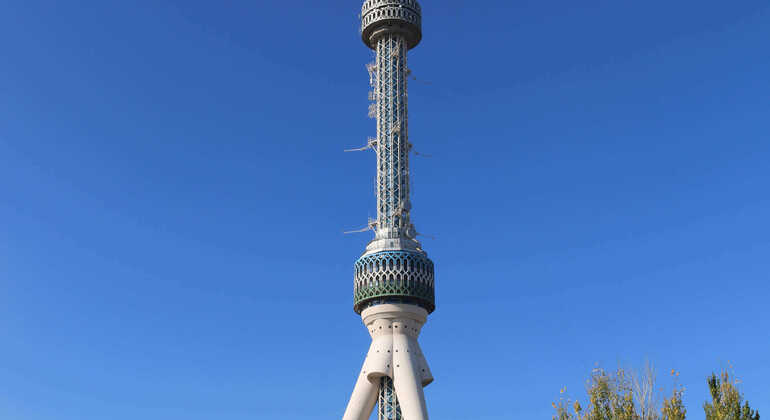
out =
column 385, row 16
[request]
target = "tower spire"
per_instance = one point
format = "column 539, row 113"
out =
column 394, row 278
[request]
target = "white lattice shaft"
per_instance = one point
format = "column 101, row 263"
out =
column 390, row 90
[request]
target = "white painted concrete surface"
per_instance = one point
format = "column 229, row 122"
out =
column 395, row 353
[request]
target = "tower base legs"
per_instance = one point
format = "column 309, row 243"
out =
column 394, row 357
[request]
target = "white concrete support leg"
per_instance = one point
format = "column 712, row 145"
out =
column 363, row 399
column 426, row 376
column 378, row 363
column 406, row 375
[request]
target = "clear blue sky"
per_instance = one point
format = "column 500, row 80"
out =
column 174, row 193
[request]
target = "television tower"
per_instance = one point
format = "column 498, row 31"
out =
column 393, row 280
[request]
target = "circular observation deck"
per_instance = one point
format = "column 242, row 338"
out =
column 394, row 277
column 379, row 17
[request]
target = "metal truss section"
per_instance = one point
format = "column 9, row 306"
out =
column 389, row 409
column 389, row 16
column 394, row 276
column 392, row 145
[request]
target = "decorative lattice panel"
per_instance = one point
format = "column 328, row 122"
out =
column 394, row 276
column 402, row 16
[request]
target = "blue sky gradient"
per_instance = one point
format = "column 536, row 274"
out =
column 174, row 194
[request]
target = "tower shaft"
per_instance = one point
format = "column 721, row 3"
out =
column 394, row 278
column 390, row 91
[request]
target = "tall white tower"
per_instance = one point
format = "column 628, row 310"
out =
column 393, row 282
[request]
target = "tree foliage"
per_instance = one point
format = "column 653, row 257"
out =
column 726, row 400
column 622, row 396
column 673, row 408
column 610, row 398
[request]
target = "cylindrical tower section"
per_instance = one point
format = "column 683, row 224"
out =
column 394, row 277
column 391, row 16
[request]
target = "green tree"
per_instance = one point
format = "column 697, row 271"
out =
column 610, row 398
column 622, row 396
column 673, row 408
column 726, row 400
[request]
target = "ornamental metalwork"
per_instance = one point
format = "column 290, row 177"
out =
column 401, row 16
column 403, row 275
